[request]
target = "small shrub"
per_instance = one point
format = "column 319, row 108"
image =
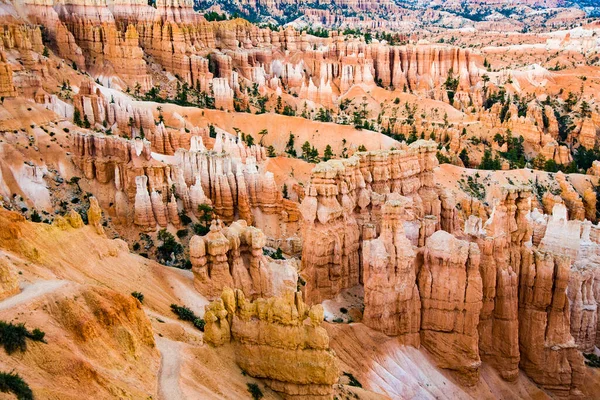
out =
column 199, row 323
column 139, row 296
column 182, row 233
column 35, row 216
column 352, row 380
column 12, row 337
column 255, row 391
column 185, row 220
column 338, row 320
column 12, row 382
column 592, row 360
column 186, row 314
column 200, row 229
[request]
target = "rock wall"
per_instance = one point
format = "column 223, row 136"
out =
column 520, row 291
column 278, row 339
column 343, row 204
column 450, row 287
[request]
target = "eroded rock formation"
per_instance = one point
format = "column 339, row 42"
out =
column 278, row 339
column 233, row 257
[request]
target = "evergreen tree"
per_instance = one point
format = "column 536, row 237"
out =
column 328, row 153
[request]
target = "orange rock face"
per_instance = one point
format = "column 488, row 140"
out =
column 345, row 198
column 278, row 339
column 233, row 257
column 451, row 293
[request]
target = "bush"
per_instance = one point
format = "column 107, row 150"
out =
column 35, row 216
column 255, row 391
column 182, row 233
column 200, row 229
column 352, row 380
column 11, row 382
column 592, row 360
column 185, row 314
column 139, row 296
column 199, row 323
column 169, row 248
column 185, row 220
column 12, row 337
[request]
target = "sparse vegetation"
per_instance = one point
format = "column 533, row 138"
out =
column 185, row 314
column 352, row 380
column 139, row 296
column 13, row 337
column 11, row 382
column 255, row 391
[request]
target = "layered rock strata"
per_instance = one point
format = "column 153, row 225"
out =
column 233, row 257
column 278, row 339
column 344, row 202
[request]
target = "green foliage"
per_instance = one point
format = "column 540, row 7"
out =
column 13, row 337
column 35, row 216
column 185, row 314
column 585, row 157
column 328, row 153
column 271, row 151
column 184, row 218
column 182, row 233
column 324, row 115
column 451, row 84
column 215, row 16
column 139, row 296
column 464, row 156
column 413, row 135
column 255, row 391
column 205, row 213
column 12, row 383
column 46, row 52
column 487, row 162
column 77, row 117
column 205, row 216
column 362, row 148
column 442, row 159
column 319, row 32
column 289, row 147
column 170, row 249
column 310, row 153
column 472, row 186
column 515, row 153
column 275, row 255
column 352, row 380
column 289, row 111
column 285, row 192
column 550, row 166
column 592, row 360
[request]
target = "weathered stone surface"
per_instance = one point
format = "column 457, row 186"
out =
column 233, row 257
column 278, row 339
column 451, row 299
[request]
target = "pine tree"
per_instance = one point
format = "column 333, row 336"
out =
column 289, row 147
column 306, row 150
column 285, row 191
column 77, row 117
column 328, row 153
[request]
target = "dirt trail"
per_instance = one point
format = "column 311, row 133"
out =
column 30, row 292
column 170, row 364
